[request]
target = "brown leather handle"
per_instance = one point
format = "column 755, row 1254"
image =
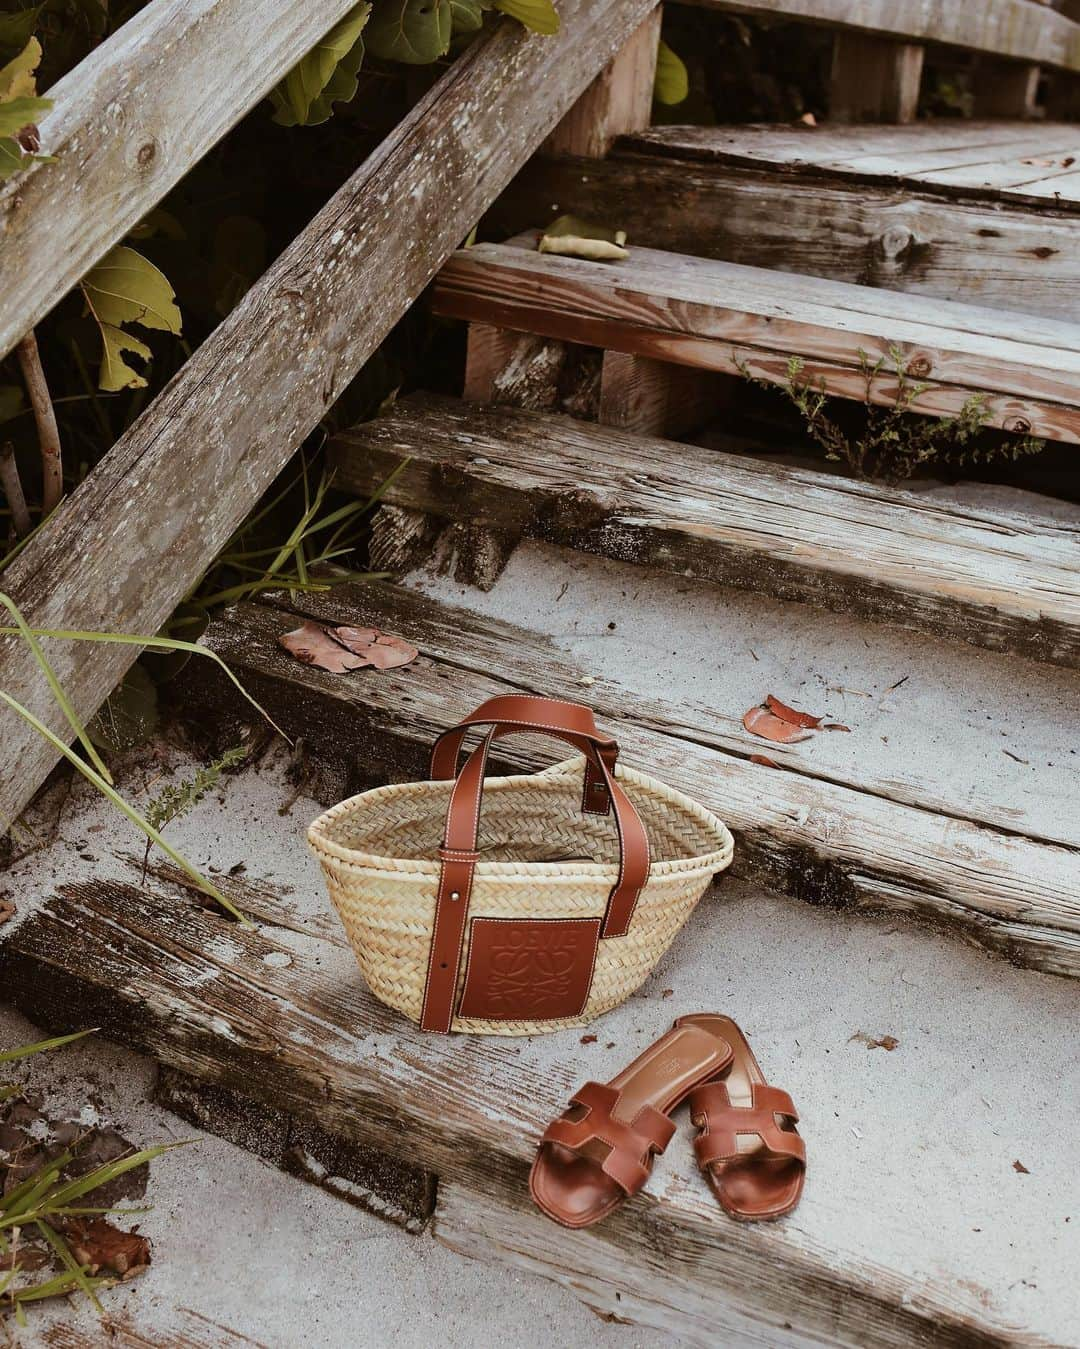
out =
column 507, row 715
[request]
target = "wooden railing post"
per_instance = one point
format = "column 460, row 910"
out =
column 617, row 102
column 874, row 79
column 1006, row 88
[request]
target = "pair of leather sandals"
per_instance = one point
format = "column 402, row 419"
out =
column 600, row 1151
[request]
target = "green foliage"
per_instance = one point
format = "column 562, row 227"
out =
column 895, row 441
column 414, row 32
column 125, row 287
column 672, row 83
column 467, row 16
column 178, row 799
column 538, row 15
column 20, row 108
column 325, row 76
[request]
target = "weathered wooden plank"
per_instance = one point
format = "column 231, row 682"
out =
column 286, row 1020
column 657, row 398
column 984, row 157
column 1007, row 88
column 133, row 539
column 1014, row 28
column 874, row 79
column 127, row 123
column 619, row 100
column 933, row 240
column 851, row 546
column 729, row 318
column 810, row 836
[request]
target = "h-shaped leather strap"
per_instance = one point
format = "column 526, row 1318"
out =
column 507, row 715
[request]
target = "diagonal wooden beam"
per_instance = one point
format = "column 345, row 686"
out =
column 127, row 546
column 128, row 123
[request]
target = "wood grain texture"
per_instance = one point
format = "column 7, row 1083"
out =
column 619, row 100
column 894, row 556
column 657, row 398
column 1006, row 89
column 820, row 840
column 288, row 1022
column 960, row 243
column 874, row 79
column 1007, row 161
column 1014, row 28
column 127, row 123
column 729, row 318
column 124, row 548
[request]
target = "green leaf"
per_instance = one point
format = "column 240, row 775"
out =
column 17, row 76
column 326, row 75
column 13, row 160
column 571, row 237
column 11, row 401
column 672, row 84
column 415, row 32
column 125, row 287
column 539, row 15
column 130, row 714
column 467, row 16
column 116, row 374
column 19, row 112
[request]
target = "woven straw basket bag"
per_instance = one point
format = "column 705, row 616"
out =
column 544, row 909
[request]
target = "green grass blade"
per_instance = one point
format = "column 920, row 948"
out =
column 155, row 644
column 207, row 887
column 62, row 700
column 24, row 1051
column 101, row 1175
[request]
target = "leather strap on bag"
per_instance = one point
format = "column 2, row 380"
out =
column 507, row 715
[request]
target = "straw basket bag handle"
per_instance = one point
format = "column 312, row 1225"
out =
column 507, row 715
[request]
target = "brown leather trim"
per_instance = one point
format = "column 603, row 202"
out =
column 534, row 968
column 507, row 715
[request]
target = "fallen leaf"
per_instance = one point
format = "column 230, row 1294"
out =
column 103, row 1247
column 762, row 759
column 7, row 910
column 1019, row 1166
column 786, row 713
column 835, row 726
column 571, row 237
column 380, row 649
column 888, row 1042
column 588, row 1039
column 808, row 119
column 760, row 721
column 314, row 646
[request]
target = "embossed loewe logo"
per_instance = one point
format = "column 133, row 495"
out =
column 532, row 966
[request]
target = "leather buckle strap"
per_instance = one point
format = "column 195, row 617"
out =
column 507, row 715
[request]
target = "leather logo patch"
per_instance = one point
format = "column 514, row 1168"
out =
column 529, row 970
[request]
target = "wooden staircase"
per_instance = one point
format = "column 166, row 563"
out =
column 939, row 254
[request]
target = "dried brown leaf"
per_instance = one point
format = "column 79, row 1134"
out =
column 835, row 726
column 314, row 646
column 381, row 649
column 104, row 1248
column 588, row 1039
column 1019, row 1166
column 760, row 721
column 786, row 713
column 764, row 760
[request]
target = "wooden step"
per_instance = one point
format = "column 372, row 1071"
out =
column 904, row 1163
column 1018, row 29
column 725, row 317
column 980, row 212
column 895, row 556
column 872, row 844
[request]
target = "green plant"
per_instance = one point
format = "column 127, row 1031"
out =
column 894, row 440
column 45, row 1203
column 179, row 798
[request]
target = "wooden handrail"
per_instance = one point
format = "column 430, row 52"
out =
column 127, row 124
column 137, row 534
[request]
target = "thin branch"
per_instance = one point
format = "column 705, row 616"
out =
column 52, row 467
column 12, row 485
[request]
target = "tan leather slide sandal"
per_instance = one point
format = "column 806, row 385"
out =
column 748, row 1147
column 600, row 1151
